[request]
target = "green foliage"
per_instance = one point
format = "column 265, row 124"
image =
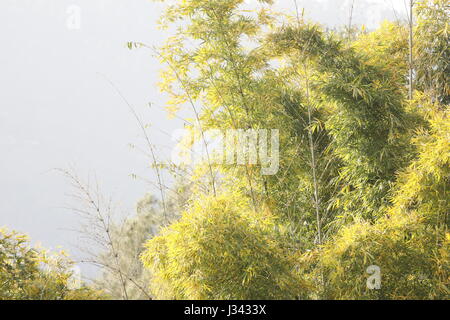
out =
column 363, row 180
column 364, row 172
column 386, row 48
column 368, row 117
column 410, row 243
column 222, row 250
column 432, row 50
column 31, row 274
column 412, row 256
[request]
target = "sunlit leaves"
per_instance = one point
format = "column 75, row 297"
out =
column 35, row 274
column 220, row 249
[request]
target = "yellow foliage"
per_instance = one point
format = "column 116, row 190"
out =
column 222, row 250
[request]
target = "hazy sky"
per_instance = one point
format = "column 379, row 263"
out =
column 57, row 109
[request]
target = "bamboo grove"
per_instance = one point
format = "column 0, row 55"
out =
column 364, row 169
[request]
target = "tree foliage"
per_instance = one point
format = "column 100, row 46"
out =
column 363, row 176
column 364, row 169
column 188, row 257
column 31, row 274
